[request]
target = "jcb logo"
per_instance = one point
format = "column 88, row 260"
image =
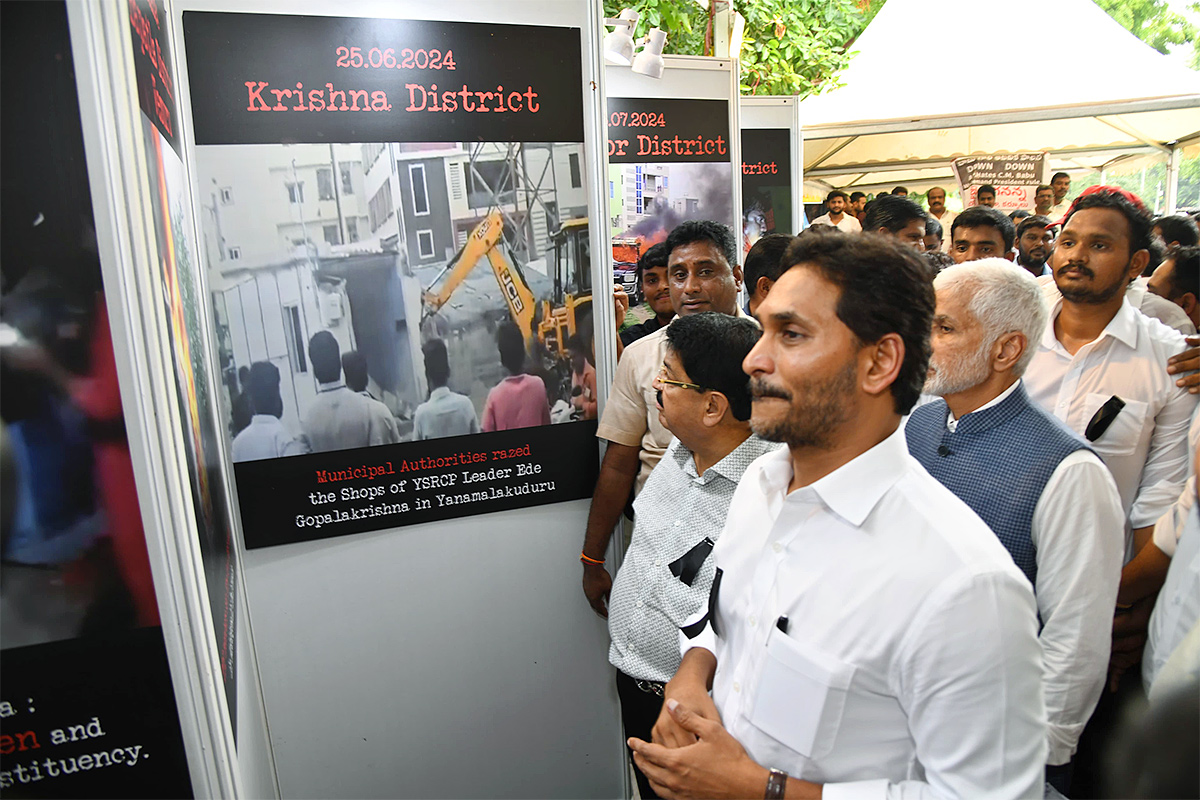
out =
column 511, row 290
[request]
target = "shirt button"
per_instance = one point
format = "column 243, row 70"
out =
column 678, row 522
column 658, row 562
column 753, row 621
column 777, row 547
column 737, row 687
column 639, row 603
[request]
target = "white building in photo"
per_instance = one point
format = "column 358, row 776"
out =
column 288, row 253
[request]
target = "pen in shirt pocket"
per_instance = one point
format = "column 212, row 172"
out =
column 1103, row 418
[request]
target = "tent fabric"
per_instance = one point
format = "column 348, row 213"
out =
column 1104, row 95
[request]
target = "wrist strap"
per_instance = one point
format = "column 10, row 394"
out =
column 589, row 560
column 776, row 783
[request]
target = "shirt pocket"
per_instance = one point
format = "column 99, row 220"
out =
column 1123, row 435
column 801, row 695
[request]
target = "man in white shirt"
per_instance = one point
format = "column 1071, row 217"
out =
column 338, row 418
column 837, row 203
column 868, row 636
column 945, row 217
column 1037, row 485
column 265, row 436
column 1096, row 346
column 445, row 413
column 1060, row 184
column 1100, row 368
column 1043, row 201
column 1177, row 279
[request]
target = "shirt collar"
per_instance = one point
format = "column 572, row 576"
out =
column 440, row 391
column 1123, row 327
column 264, row 419
column 852, row 490
column 332, row 386
column 952, row 423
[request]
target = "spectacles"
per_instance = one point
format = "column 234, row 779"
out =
column 661, row 378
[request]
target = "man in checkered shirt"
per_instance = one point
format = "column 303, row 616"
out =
column 704, row 400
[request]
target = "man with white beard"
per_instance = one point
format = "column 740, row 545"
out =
column 1037, row 484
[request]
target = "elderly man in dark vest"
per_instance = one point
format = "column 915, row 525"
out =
column 1048, row 498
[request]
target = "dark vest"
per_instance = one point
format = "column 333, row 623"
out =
column 997, row 461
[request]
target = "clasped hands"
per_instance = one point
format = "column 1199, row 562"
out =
column 692, row 755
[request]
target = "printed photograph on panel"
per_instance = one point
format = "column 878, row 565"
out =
column 376, row 293
column 647, row 200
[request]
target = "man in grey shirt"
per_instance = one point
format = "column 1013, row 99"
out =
column 704, row 400
column 338, row 418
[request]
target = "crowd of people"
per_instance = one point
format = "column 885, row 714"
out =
column 925, row 524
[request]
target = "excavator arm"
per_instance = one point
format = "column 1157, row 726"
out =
column 487, row 241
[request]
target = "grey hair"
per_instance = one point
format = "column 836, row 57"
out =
column 1004, row 298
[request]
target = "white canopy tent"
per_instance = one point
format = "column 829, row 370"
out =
column 997, row 76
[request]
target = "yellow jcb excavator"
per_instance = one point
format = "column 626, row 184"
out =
column 548, row 323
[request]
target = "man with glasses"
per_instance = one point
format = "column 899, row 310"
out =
column 704, row 275
column 703, row 398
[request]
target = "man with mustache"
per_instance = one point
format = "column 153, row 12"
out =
column 1051, row 502
column 1034, row 241
column 1099, row 368
column 937, row 209
column 703, row 399
column 703, row 275
column 873, row 637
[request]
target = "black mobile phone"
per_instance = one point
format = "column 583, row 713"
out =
column 1103, row 417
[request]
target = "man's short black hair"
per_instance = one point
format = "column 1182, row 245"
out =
column 986, row 217
column 326, row 357
column 892, row 212
column 437, row 363
column 354, row 367
column 704, row 230
column 1035, row 221
column 900, row 190
column 511, row 344
column 1058, row 175
column 987, row 188
column 885, row 288
column 763, row 259
column 1178, row 228
column 1018, row 215
column 263, row 380
column 1185, row 277
column 836, row 193
column 1141, row 229
column 933, row 227
column 711, row 347
column 856, row 196
column 655, row 256
column 1045, row 187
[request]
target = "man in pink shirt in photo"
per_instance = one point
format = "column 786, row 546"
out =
column 518, row 401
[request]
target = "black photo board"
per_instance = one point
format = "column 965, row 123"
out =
column 647, row 129
column 766, row 182
column 389, row 151
column 91, row 717
column 269, row 78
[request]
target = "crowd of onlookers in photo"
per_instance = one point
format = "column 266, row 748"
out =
column 919, row 520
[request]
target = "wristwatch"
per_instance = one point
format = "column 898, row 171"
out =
column 776, row 783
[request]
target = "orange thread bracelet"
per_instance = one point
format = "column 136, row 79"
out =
column 589, row 560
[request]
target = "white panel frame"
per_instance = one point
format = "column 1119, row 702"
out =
column 780, row 111
column 117, row 172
